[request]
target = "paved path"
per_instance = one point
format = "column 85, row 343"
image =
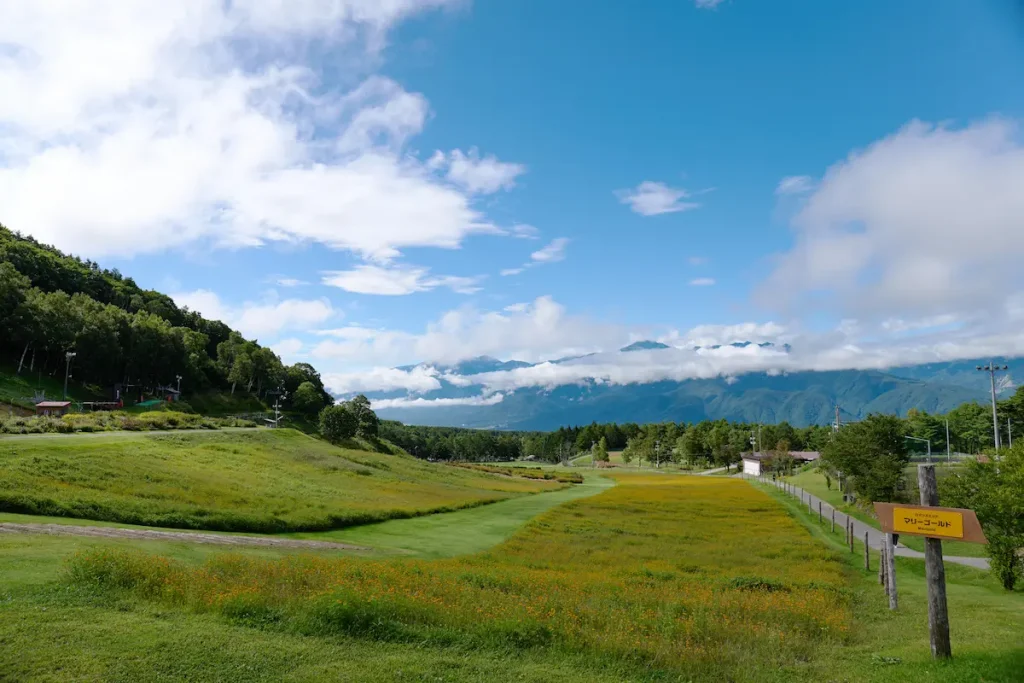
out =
column 875, row 537
column 714, row 471
column 179, row 536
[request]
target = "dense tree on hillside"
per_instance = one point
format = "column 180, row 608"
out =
column 338, row 423
column 307, row 399
column 52, row 304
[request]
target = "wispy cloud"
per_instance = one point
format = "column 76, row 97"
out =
column 708, row 4
column 795, row 184
column 397, row 280
column 553, row 252
column 702, row 282
column 651, row 198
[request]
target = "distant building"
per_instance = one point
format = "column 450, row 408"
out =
column 753, row 462
column 53, row 408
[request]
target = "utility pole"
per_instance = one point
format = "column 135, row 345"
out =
column 67, row 370
column 948, row 451
column 1009, row 430
column 836, row 428
column 992, row 369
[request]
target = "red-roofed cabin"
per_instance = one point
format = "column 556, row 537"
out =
column 53, row 408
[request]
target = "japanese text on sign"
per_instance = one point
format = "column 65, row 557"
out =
column 928, row 522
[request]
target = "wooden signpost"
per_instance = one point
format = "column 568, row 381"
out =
column 935, row 524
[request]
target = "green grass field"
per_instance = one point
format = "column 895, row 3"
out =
column 660, row 578
column 814, row 482
column 263, row 481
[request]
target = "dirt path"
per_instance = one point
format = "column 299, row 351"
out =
column 180, row 536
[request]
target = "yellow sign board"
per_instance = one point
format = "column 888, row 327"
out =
column 934, row 522
column 940, row 523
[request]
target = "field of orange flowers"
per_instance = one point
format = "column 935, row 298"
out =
column 698, row 576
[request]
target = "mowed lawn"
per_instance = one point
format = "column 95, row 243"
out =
column 263, row 481
column 659, row 578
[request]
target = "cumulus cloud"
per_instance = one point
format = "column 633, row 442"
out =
column 925, row 222
column 651, row 198
column 397, row 280
column 479, row 175
column 259, row 319
column 417, row 380
column 420, row 402
column 529, row 331
column 161, row 125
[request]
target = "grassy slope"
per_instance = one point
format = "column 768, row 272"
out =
column 264, row 481
column 814, row 483
column 986, row 622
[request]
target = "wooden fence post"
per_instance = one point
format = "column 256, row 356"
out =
column 881, row 562
column 851, row 535
column 819, row 513
column 934, row 570
column 890, row 572
column 867, row 553
column 833, row 520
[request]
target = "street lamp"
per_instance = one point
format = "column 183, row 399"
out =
column 992, row 369
column 67, row 370
column 917, row 438
column 178, row 377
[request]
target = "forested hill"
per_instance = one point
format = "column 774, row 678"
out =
column 52, row 303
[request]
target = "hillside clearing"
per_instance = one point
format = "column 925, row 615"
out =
column 266, row 481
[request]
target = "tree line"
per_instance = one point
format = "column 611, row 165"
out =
column 52, row 304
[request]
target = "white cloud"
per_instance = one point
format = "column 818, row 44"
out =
column 478, row 175
column 551, row 253
column 419, row 402
column 697, row 260
column 397, row 280
column 795, row 184
column 651, row 198
column 256, row 320
column 702, row 282
column 525, row 232
column 708, row 4
column 288, row 349
column 161, row 125
column 810, row 353
column 290, row 282
column 925, row 222
column 711, row 335
column 418, row 380
column 517, row 308
column 555, row 251
column 535, row 331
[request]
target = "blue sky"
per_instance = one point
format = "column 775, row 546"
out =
column 348, row 183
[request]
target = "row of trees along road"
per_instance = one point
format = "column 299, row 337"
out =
column 51, row 304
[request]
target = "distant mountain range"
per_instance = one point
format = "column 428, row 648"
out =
column 800, row 398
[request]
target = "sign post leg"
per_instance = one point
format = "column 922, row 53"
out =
column 935, row 570
column 890, row 572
